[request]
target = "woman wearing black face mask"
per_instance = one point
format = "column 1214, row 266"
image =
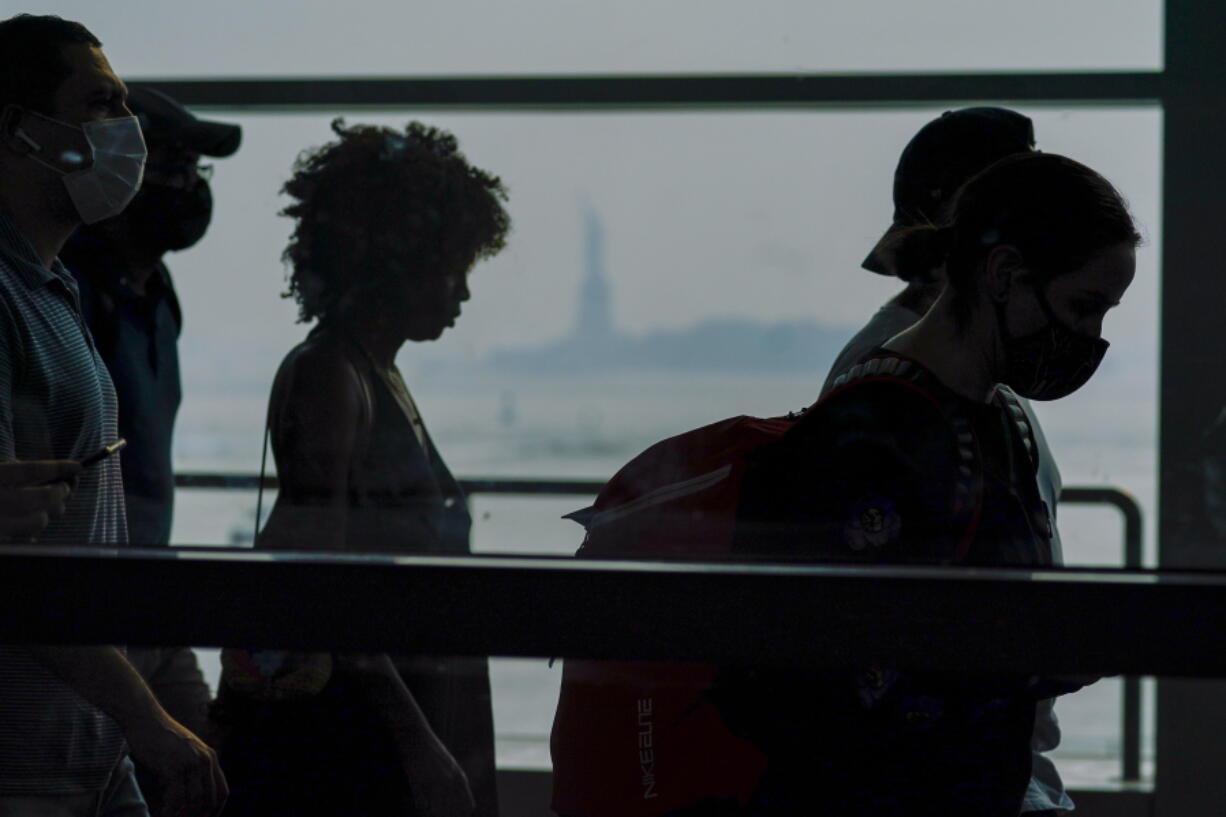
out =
column 1037, row 249
column 921, row 456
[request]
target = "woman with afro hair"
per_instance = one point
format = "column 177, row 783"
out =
column 388, row 225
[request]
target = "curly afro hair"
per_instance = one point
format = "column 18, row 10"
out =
column 379, row 205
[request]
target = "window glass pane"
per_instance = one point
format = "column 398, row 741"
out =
column 682, row 221
column 693, row 236
column 230, row 37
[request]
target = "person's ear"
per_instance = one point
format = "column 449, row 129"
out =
column 1001, row 267
column 11, row 134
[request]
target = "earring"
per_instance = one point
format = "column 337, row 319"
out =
column 28, row 144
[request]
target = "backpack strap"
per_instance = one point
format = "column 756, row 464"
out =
column 969, row 483
column 1046, row 520
column 1013, row 405
column 897, row 367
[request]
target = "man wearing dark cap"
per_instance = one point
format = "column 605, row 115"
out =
column 942, row 156
column 129, row 300
column 129, row 303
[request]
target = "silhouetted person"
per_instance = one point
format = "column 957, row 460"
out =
column 938, row 160
column 388, row 225
column 917, row 457
column 129, row 299
column 129, row 303
column 71, row 153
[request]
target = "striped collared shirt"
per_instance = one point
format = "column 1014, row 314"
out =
column 56, row 402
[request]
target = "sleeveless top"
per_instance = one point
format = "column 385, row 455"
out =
column 402, row 496
column 331, row 750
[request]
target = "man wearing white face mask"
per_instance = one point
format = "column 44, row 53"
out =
column 71, row 153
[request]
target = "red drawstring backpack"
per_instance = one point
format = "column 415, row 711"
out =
column 642, row 739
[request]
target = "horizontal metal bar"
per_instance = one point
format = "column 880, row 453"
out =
column 564, row 486
column 223, row 481
column 662, row 91
column 471, row 485
column 557, row 487
column 1069, row 621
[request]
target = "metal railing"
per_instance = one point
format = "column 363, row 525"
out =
column 1074, row 621
column 662, row 91
column 1133, row 552
column 1134, row 533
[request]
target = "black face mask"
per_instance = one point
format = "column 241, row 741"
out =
column 1052, row 362
column 166, row 219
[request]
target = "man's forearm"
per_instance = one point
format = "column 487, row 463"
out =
column 193, row 784
column 104, row 678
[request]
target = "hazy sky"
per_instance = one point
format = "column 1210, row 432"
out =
column 762, row 215
column 756, row 215
column 231, row 37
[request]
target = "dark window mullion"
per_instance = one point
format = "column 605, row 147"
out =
column 630, row 92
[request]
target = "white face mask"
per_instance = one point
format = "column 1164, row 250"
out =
column 110, row 181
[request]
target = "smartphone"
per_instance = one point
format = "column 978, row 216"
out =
column 104, row 452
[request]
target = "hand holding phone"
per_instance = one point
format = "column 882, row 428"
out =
column 93, row 459
column 104, row 452
column 32, row 493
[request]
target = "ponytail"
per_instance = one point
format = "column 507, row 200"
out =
column 919, row 249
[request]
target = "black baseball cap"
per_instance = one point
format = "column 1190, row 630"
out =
column 164, row 120
column 939, row 159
